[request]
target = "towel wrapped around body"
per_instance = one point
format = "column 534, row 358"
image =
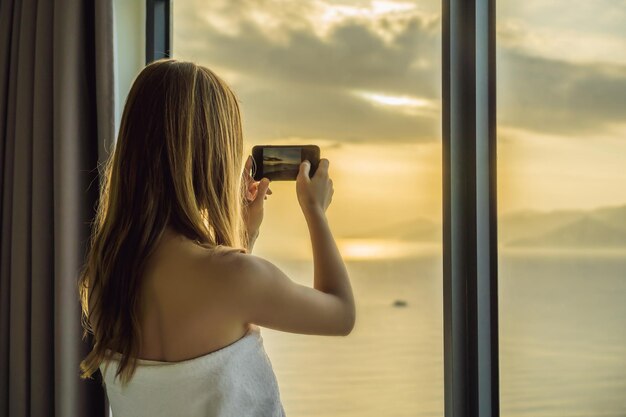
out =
column 234, row 381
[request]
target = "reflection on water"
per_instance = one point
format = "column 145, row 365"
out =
column 392, row 362
column 563, row 336
column 562, row 350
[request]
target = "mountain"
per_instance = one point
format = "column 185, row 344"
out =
column 529, row 224
column 602, row 227
column 614, row 216
column 517, row 227
column 585, row 232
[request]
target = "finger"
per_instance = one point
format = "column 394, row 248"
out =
column 252, row 186
column 251, row 190
column 261, row 191
column 248, row 180
column 305, row 168
column 322, row 168
column 247, row 169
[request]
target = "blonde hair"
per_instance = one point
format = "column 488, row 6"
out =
column 177, row 162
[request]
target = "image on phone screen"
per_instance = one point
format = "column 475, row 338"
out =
column 281, row 163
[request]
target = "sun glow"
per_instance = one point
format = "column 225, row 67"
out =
column 375, row 9
column 361, row 249
column 408, row 104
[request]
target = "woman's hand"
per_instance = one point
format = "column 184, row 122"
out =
column 314, row 194
column 256, row 193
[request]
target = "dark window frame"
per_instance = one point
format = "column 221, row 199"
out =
column 470, row 250
column 158, row 29
column 470, row 241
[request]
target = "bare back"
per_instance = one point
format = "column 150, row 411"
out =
column 184, row 311
column 196, row 300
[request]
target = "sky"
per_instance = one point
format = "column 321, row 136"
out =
column 362, row 80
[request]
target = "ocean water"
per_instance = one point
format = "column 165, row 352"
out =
column 563, row 335
column 562, row 341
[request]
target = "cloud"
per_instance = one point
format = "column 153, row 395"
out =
column 302, row 84
column 551, row 96
column 297, row 79
column 574, row 44
column 273, row 111
column 352, row 55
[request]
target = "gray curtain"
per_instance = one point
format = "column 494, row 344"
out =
column 56, row 123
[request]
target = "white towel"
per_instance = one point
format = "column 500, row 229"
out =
column 234, row 381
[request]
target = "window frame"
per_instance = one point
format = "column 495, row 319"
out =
column 158, row 29
column 470, row 241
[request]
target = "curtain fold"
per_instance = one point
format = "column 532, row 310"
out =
column 56, row 123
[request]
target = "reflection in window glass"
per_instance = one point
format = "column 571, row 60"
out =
column 562, row 202
column 361, row 79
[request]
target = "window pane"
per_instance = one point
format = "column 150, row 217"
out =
column 362, row 80
column 562, row 202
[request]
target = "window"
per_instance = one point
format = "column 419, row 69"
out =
column 561, row 189
column 562, row 200
column 362, row 80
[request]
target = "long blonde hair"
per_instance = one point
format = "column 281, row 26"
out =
column 177, row 162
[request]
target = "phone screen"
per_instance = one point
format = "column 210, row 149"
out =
column 282, row 163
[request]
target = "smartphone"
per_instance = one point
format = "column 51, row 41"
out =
column 282, row 162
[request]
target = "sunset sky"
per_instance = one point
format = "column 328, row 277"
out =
column 362, row 80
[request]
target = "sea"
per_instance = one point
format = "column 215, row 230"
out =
column 562, row 341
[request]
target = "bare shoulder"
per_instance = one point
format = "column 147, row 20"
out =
column 259, row 292
column 236, row 283
column 243, row 270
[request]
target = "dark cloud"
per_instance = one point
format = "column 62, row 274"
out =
column 559, row 97
column 322, row 112
column 304, row 87
column 352, row 56
column 301, row 85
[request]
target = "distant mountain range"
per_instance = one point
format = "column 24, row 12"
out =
column 604, row 227
column 585, row 232
column 599, row 228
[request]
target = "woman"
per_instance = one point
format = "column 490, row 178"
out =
column 170, row 291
